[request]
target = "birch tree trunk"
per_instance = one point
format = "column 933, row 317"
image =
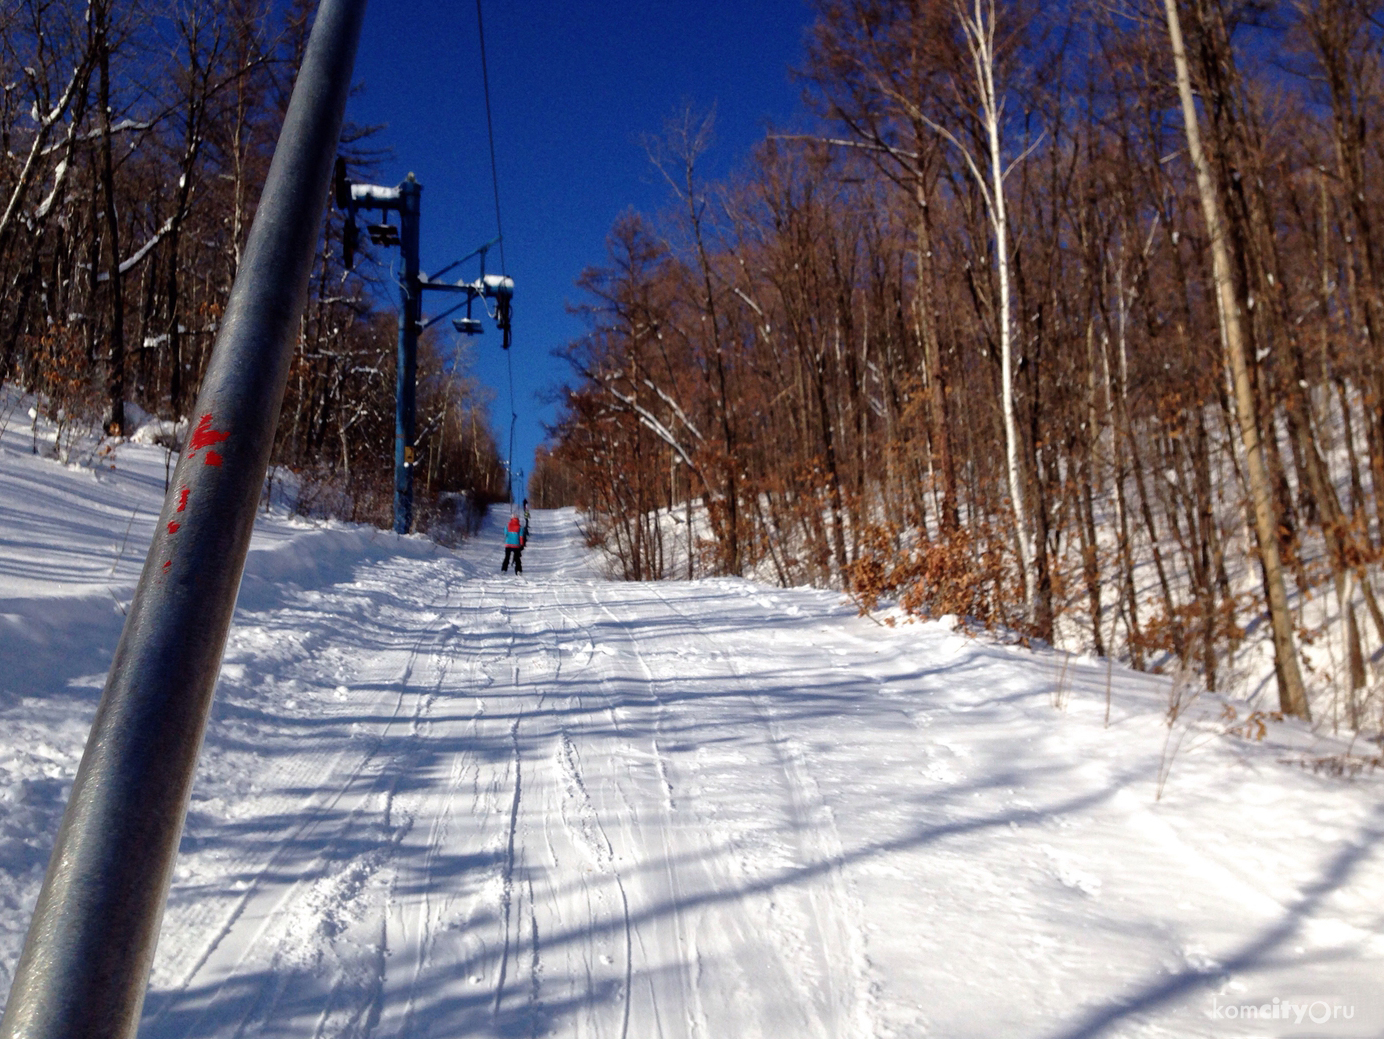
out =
column 1292, row 695
column 979, row 26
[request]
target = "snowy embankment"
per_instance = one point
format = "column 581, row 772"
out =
column 436, row 800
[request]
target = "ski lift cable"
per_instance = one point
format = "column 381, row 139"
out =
column 490, row 128
column 500, row 234
column 513, row 418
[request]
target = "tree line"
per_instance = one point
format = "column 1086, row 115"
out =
column 133, row 144
column 1066, row 318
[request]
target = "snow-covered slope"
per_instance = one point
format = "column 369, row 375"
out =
column 437, row 800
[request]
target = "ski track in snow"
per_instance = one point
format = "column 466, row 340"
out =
column 440, row 801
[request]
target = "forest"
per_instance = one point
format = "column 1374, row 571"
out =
column 1062, row 318
column 133, row 143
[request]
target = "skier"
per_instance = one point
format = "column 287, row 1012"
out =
column 526, row 522
column 514, row 544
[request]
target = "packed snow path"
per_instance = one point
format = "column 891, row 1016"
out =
column 437, row 800
column 500, row 805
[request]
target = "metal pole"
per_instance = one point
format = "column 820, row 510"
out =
column 406, row 376
column 85, row 965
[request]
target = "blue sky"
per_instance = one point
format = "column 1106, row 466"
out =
column 574, row 87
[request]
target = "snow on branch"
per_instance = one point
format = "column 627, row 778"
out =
column 142, row 251
column 651, row 423
column 124, row 126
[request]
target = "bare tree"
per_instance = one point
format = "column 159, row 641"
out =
column 1291, row 692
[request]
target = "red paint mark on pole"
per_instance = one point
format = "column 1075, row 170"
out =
column 182, row 499
column 205, row 436
column 168, row 564
column 173, row 528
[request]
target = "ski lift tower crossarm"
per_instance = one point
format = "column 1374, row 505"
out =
column 352, row 198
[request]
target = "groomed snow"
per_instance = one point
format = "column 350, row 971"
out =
column 437, row 800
